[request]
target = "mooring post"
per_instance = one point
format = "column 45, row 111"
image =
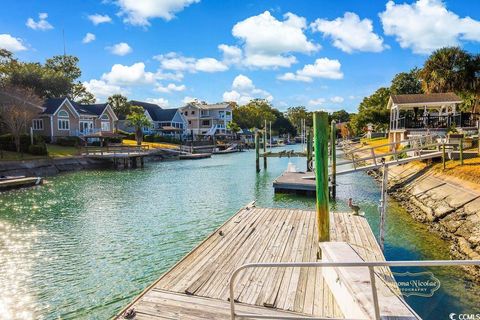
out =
column 309, row 150
column 265, row 146
column 257, row 151
column 383, row 205
column 320, row 125
column 333, row 154
column 461, row 151
column 443, row 155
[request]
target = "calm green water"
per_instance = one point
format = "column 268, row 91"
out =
column 84, row 244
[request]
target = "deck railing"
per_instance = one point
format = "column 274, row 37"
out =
column 115, row 150
column 460, row 120
column 369, row 265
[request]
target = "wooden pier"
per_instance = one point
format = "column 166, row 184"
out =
column 19, row 182
column 121, row 156
column 295, row 182
column 197, row 286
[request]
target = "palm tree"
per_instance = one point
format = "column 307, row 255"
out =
column 138, row 120
column 234, row 128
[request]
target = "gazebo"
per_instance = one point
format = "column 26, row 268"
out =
column 414, row 115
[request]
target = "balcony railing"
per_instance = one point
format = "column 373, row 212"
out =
column 461, row 120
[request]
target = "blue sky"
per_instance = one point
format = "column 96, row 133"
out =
column 321, row 54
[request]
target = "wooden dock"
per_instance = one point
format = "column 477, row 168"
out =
column 20, row 182
column 295, row 182
column 197, row 286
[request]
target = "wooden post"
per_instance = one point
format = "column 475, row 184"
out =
column 320, row 125
column 461, row 151
column 443, row 155
column 333, row 160
column 265, row 146
column 141, row 162
column 309, row 150
column 257, row 152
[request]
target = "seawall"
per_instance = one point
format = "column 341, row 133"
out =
column 449, row 206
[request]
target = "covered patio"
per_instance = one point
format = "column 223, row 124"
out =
column 420, row 114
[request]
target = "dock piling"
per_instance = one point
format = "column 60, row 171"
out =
column 320, row 140
column 333, row 154
column 443, row 155
column 265, row 145
column 257, row 152
column 309, row 150
column 461, row 151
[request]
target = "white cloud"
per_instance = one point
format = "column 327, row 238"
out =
column 231, row 54
column 188, row 99
column 427, row 25
column 102, row 89
column 322, row 68
column 11, row 43
column 42, row 23
column 129, row 75
column 269, row 43
column 337, row 99
column 99, row 18
column 138, row 12
column 174, row 61
column 243, row 90
column 349, row 33
column 120, row 49
column 89, row 37
column 159, row 101
column 316, row 102
column 171, row 87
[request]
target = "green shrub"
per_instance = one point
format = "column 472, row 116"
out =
column 68, row 141
column 7, row 142
column 38, row 149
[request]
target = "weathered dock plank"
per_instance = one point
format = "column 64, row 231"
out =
column 197, row 286
column 294, row 182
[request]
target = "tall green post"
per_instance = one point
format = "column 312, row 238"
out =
column 257, row 151
column 333, row 159
column 320, row 142
column 309, row 150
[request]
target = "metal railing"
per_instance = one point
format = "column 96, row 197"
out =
column 460, row 120
column 369, row 265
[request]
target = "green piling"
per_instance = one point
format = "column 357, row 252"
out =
column 257, row 151
column 320, row 141
column 265, row 146
column 333, row 159
column 309, row 150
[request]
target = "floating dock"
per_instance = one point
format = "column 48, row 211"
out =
column 21, row 182
column 295, row 182
column 197, row 287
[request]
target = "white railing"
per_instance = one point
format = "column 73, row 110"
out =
column 369, row 265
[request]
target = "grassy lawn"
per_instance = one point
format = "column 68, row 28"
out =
column 152, row 145
column 470, row 171
column 56, row 151
column 377, row 142
column 14, row 156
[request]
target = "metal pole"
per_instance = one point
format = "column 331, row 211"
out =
column 443, row 155
column 320, row 125
column 309, row 150
column 333, row 160
column 461, row 151
column 383, row 205
column 270, row 136
column 265, row 145
column 257, row 151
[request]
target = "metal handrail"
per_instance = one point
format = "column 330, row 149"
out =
column 369, row 265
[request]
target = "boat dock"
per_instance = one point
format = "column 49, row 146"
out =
column 197, row 287
column 19, row 182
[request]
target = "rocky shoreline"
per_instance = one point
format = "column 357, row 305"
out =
column 449, row 210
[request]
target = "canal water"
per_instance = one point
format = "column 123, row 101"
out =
column 84, row 244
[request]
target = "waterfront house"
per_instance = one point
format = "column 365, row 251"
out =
column 205, row 119
column 63, row 117
column 413, row 115
column 165, row 122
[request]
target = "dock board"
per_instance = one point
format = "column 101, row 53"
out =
column 198, row 284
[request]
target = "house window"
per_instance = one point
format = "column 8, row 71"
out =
column 205, row 122
column 221, row 114
column 63, row 114
column 105, row 126
column 186, row 113
column 105, row 117
column 193, row 112
column 189, row 121
column 63, row 124
column 37, row 124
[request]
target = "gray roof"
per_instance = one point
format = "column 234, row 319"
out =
column 219, row 105
column 426, row 98
column 155, row 111
column 51, row 105
column 166, row 114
